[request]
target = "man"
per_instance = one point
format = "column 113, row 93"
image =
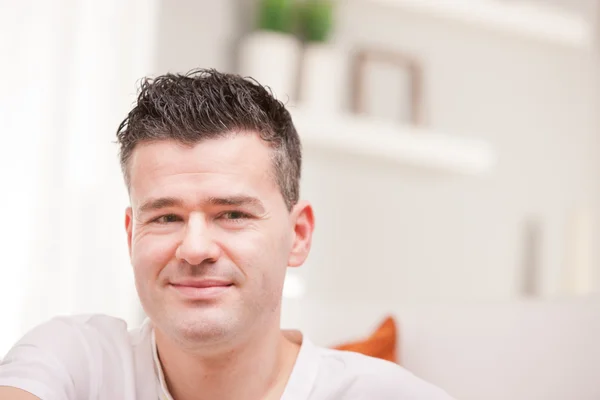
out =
column 212, row 164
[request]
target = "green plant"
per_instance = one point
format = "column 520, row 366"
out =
column 316, row 19
column 276, row 15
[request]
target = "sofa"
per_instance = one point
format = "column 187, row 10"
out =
column 543, row 349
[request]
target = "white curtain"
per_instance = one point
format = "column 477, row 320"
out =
column 67, row 78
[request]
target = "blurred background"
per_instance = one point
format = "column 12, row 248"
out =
column 451, row 151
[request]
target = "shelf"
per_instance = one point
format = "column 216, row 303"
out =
column 391, row 142
column 536, row 21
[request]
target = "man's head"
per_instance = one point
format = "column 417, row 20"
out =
column 212, row 163
column 206, row 104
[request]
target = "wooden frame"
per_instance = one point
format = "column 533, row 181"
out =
column 364, row 57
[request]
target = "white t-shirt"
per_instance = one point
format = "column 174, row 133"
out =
column 95, row 357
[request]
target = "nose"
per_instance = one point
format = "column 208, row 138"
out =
column 197, row 245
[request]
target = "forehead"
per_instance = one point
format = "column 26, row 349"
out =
column 234, row 163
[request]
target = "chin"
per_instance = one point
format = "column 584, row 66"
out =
column 206, row 325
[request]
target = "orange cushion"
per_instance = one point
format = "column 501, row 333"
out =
column 381, row 343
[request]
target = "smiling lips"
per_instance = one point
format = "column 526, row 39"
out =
column 201, row 289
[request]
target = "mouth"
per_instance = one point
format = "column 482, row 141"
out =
column 205, row 289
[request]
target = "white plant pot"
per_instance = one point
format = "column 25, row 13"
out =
column 272, row 59
column 322, row 78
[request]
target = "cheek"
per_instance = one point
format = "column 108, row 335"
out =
column 150, row 253
column 261, row 254
column 242, row 248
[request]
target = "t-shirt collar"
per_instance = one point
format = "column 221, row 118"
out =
column 298, row 386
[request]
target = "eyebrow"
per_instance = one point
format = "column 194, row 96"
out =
column 236, row 201
column 159, row 203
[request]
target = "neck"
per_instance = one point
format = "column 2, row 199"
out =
column 257, row 367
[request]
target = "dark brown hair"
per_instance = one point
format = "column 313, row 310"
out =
column 206, row 104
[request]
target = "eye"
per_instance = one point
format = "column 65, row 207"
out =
column 235, row 215
column 166, row 219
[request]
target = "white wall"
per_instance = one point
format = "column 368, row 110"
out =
column 194, row 34
column 584, row 8
column 397, row 235
column 394, row 235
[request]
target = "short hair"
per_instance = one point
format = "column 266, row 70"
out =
column 207, row 104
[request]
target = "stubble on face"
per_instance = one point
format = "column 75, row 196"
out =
column 249, row 251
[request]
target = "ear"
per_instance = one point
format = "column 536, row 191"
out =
column 129, row 227
column 304, row 224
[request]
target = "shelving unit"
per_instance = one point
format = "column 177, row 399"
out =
column 536, row 21
column 392, row 142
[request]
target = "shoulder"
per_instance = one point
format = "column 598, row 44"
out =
column 75, row 336
column 71, row 355
column 360, row 376
column 76, row 326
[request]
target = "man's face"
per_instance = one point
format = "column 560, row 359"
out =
column 210, row 236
